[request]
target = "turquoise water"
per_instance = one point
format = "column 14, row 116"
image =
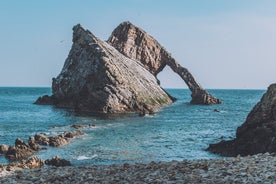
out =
column 176, row 132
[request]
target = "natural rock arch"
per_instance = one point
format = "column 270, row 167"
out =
column 136, row 44
column 119, row 75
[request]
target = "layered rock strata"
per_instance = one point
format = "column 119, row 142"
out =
column 136, row 44
column 257, row 134
column 98, row 78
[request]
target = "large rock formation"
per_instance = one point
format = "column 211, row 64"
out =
column 96, row 77
column 257, row 134
column 136, row 44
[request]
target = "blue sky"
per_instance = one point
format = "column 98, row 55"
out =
column 225, row 44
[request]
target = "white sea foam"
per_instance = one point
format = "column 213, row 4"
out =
column 83, row 157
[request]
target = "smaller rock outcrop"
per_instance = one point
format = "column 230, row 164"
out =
column 20, row 151
column 41, row 139
column 57, row 162
column 56, row 141
column 32, row 143
column 32, row 163
column 3, row 149
column 257, row 134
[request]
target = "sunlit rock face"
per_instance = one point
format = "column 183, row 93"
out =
column 98, row 78
column 136, row 44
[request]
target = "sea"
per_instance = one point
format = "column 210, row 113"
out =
column 176, row 132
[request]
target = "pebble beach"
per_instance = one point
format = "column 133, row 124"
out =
column 260, row 168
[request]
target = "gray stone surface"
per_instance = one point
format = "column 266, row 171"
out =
column 96, row 77
column 136, row 44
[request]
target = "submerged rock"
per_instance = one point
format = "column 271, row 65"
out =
column 98, row 78
column 257, row 134
column 136, row 44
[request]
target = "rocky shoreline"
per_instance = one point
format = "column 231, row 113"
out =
column 258, row 168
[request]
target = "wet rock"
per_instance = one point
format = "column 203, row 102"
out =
column 58, row 162
column 58, row 141
column 216, row 110
column 3, row 148
column 33, row 144
column 41, row 139
column 45, row 100
column 72, row 134
column 77, row 126
column 20, row 151
column 32, row 163
column 257, row 134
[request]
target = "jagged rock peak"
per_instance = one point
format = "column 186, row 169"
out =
column 135, row 43
column 257, row 134
column 98, row 78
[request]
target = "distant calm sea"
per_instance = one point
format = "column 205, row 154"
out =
column 179, row 131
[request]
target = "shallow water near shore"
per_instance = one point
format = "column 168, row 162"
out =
column 176, row 132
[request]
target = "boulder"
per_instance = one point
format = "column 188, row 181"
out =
column 33, row 144
column 58, row 162
column 58, row 141
column 4, row 148
column 72, row 134
column 32, row 163
column 257, row 134
column 41, row 139
column 136, row 44
column 98, row 78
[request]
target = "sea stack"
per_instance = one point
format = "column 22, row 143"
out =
column 257, row 134
column 119, row 75
column 136, row 44
column 98, row 78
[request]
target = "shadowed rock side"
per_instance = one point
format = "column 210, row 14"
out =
column 98, row 78
column 257, row 134
column 136, row 44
